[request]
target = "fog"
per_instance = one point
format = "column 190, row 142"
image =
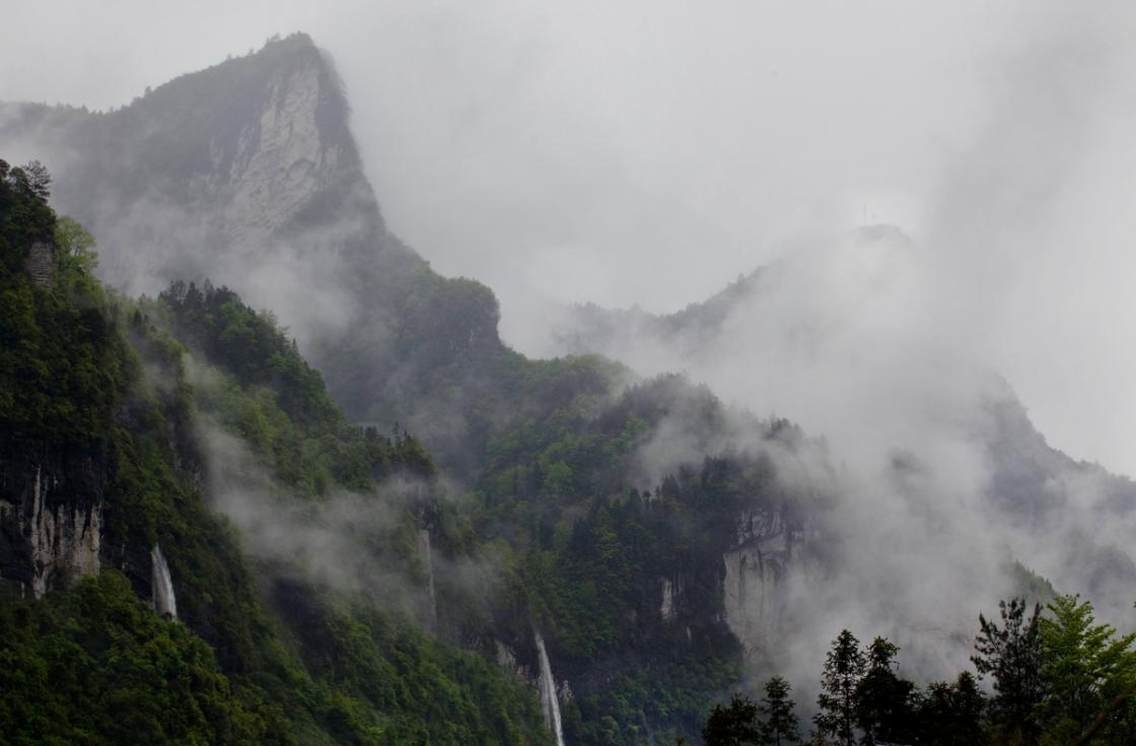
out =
column 942, row 197
column 648, row 154
column 363, row 544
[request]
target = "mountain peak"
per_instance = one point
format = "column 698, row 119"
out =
column 226, row 162
column 288, row 80
column 247, row 173
column 297, row 49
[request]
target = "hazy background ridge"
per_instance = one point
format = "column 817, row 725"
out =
column 651, row 153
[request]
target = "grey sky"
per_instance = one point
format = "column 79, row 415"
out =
column 650, row 152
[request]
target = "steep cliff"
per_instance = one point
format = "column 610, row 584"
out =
column 645, row 531
column 63, row 379
column 51, row 514
column 247, row 171
column 764, row 551
column 239, row 158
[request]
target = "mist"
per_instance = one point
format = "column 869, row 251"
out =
column 895, row 339
column 555, row 153
column 940, row 199
column 353, row 543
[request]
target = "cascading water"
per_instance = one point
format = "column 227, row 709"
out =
column 427, row 557
column 162, row 586
column 549, row 703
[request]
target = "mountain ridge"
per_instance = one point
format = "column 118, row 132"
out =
column 262, row 185
column 661, row 544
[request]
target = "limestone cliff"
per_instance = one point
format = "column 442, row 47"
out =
column 51, row 515
column 764, row 550
column 213, row 170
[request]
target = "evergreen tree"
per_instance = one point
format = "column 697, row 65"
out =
column 734, row 725
column 951, row 715
column 844, row 668
column 1011, row 655
column 39, row 180
column 969, row 708
column 883, row 700
column 778, row 710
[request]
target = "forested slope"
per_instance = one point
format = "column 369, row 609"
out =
column 618, row 565
column 102, row 461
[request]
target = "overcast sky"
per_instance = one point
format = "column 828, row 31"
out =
column 649, row 152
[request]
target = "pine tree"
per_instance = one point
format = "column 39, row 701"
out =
column 734, row 725
column 39, row 180
column 951, row 714
column 883, row 700
column 969, row 707
column 844, row 667
column 1011, row 654
column 777, row 708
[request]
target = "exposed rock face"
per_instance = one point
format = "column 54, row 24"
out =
column 754, row 567
column 280, row 160
column 51, row 519
column 41, row 264
column 246, row 173
column 667, row 607
column 507, row 659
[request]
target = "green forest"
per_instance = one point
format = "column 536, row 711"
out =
column 119, row 383
column 97, row 384
column 551, row 531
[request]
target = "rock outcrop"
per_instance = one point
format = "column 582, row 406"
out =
column 765, row 549
column 51, row 516
column 220, row 170
column 40, row 264
column 246, row 173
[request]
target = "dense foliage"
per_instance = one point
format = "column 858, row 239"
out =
column 107, row 392
column 621, row 569
column 771, row 723
column 618, row 563
column 97, row 665
column 735, row 724
column 581, row 542
column 63, row 369
column 273, row 399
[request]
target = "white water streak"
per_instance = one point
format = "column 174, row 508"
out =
column 162, row 585
column 549, row 703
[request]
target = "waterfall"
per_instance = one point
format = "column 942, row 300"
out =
column 428, row 559
column 162, row 586
column 667, row 607
column 548, row 701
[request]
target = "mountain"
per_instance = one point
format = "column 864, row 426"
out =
column 821, row 315
column 1026, row 472
column 591, row 329
column 248, row 171
column 684, row 335
column 133, row 611
column 538, row 546
column 192, row 413
column 541, row 443
column 241, row 159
